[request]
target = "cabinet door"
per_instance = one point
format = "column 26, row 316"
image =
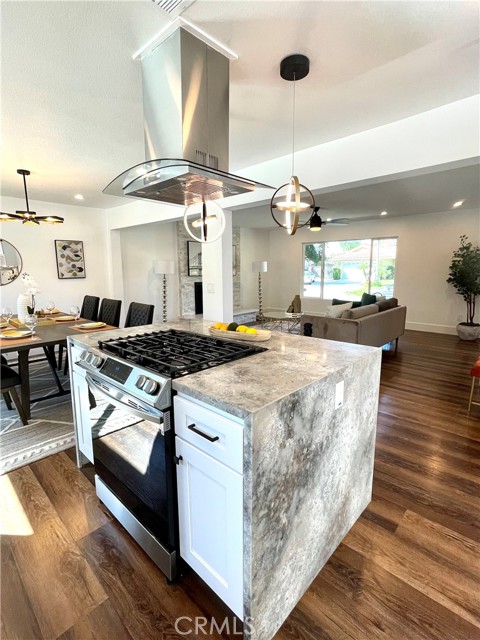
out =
column 210, row 504
column 81, row 415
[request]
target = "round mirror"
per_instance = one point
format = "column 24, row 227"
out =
column 10, row 262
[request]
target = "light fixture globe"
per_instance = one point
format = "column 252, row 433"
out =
column 204, row 221
column 292, row 205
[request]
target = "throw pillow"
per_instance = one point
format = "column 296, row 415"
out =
column 367, row 298
column 335, row 311
column 355, row 304
column 361, row 312
column 390, row 303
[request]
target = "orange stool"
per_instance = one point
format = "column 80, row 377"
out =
column 475, row 373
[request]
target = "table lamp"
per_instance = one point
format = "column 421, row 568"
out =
column 260, row 266
column 164, row 268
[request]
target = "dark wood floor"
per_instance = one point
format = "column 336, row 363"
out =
column 409, row 568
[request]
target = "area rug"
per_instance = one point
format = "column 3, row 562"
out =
column 49, row 430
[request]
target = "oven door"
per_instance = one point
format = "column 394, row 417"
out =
column 133, row 458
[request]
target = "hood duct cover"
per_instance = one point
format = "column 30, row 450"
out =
column 186, row 120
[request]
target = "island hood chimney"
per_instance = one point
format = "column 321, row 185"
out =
column 186, row 119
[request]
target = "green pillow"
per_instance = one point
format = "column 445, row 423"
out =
column 367, row 298
column 355, row 304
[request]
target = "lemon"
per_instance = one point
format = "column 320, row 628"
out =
column 217, row 325
column 241, row 328
column 251, row 330
column 224, row 326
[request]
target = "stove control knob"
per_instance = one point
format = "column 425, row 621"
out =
column 96, row 361
column 140, row 383
column 151, row 386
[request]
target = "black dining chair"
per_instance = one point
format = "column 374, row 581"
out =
column 90, row 306
column 9, row 380
column 110, row 312
column 139, row 314
column 89, row 311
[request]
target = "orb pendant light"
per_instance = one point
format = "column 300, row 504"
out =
column 204, row 221
column 292, row 204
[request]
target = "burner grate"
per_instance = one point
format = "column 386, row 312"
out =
column 176, row 353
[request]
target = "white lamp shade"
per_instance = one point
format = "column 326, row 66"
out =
column 260, row 266
column 163, row 266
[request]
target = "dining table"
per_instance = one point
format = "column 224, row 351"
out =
column 47, row 335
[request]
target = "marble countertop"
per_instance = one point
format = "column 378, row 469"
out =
column 248, row 385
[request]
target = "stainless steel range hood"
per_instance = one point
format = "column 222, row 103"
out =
column 186, row 117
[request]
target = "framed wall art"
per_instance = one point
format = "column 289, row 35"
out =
column 70, row 259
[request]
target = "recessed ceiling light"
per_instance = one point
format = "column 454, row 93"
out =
column 384, row 213
column 458, row 203
column 78, row 196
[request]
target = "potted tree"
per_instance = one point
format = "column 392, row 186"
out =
column 465, row 277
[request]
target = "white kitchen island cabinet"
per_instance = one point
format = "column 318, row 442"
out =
column 276, row 468
column 209, row 449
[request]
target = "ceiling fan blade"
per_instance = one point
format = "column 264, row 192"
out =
column 338, row 221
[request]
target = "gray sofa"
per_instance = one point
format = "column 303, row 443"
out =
column 368, row 325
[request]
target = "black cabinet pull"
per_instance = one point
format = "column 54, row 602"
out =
column 193, row 428
column 177, row 459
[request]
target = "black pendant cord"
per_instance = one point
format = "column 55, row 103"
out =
column 293, row 129
column 26, row 194
column 204, row 220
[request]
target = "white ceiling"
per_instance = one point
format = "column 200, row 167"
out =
column 400, row 196
column 71, row 93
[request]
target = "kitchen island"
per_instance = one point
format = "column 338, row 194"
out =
column 305, row 413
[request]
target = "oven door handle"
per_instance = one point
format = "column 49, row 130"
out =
column 115, row 397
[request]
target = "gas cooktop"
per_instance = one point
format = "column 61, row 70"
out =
column 174, row 353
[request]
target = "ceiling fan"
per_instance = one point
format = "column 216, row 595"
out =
column 316, row 222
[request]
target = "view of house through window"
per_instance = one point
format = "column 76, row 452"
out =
column 348, row 268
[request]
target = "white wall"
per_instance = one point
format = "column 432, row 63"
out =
column 140, row 246
column 425, row 246
column 447, row 134
column 36, row 245
column 254, row 244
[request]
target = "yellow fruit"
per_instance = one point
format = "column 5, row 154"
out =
column 224, row 326
column 241, row 328
column 217, row 325
column 251, row 330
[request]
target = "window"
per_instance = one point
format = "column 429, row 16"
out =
column 348, row 268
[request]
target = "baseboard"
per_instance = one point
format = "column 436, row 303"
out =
column 432, row 328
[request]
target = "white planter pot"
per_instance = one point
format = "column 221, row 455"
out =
column 23, row 301
column 468, row 332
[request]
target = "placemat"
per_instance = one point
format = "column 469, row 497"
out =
column 41, row 321
column 11, row 342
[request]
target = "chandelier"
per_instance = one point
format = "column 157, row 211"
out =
column 28, row 217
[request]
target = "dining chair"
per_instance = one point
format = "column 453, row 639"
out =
column 9, row 380
column 110, row 312
column 89, row 311
column 90, row 306
column 139, row 314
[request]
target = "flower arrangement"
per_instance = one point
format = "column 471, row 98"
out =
column 32, row 288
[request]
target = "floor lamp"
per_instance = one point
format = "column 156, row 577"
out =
column 164, row 268
column 260, row 266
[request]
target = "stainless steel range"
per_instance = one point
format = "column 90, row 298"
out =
column 129, row 385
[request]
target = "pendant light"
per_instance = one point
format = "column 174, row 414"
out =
column 28, row 217
column 204, row 221
column 293, row 198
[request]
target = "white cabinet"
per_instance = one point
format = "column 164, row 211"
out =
column 210, row 500
column 81, row 407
